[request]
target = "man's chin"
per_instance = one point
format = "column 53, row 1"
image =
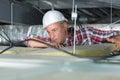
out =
column 56, row 42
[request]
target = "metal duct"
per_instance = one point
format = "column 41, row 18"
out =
column 18, row 32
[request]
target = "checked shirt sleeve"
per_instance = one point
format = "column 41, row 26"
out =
column 90, row 35
column 99, row 36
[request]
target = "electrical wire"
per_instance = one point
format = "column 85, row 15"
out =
column 111, row 11
column 6, row 49
column 67, row 52
column 109, row 59
column 7, row 38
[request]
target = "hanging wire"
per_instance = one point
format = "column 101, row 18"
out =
column 3, row 33
column 7, row 38
column 11, row 10
column 75, row 28
column 111, row 11
column 74, row 18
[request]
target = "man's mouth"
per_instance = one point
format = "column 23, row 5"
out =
column 54, row 40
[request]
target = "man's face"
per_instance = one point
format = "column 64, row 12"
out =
column 57, row 32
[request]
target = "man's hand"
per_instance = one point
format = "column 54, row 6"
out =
column 115, row 40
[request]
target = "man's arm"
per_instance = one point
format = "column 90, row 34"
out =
column 37, row 44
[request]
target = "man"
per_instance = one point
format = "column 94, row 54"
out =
column 60, row 35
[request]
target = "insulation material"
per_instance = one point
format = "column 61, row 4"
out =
column 17, row 50
column 87, row 50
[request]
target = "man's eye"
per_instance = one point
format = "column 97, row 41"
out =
column 54, row 30
column 48, row 32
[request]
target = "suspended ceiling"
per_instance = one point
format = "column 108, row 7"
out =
column 89, row 11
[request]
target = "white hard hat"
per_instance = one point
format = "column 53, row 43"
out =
column 51, row 17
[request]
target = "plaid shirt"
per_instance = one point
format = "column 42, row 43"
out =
column 87, row 35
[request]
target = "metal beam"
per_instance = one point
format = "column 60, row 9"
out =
column 22, row 13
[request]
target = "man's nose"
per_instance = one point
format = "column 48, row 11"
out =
column 52, row 36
